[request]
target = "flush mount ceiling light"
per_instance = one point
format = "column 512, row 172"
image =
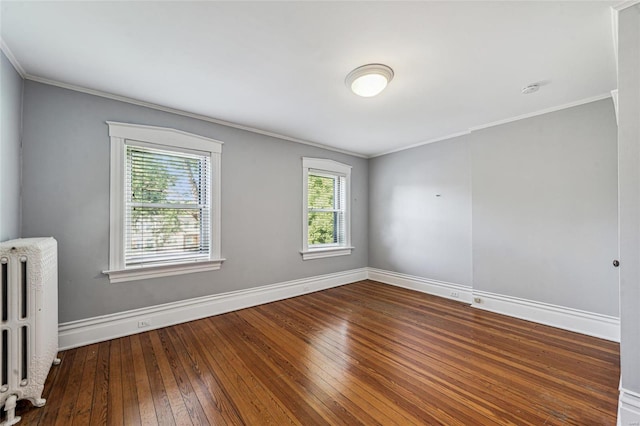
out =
column 369, row 80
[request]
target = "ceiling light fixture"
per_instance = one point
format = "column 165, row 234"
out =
column 369, row 80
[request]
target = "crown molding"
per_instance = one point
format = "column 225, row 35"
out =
column 500, row 122
column 185, row 114
column 11, row 57
column 416, row 145
column 542, row 111
column 26, row 76
column 302, row 141
column 625, row 5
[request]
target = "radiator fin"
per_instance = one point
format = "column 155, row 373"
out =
column 23, row 288
column 5, row 291
column 4, row 369
column 24, row 352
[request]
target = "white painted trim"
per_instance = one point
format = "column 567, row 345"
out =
column 215, row 193
column 12, row 59
column 625, row 5
column 289, row 138
column 437, row 288
column 163, row 136
column 614, row 36
column 589, row 323
column 186, row 114
column 116, row 204
column 628, row 408
column 542, row 112
column 163, row 270
column 123, row 134
column 98, row 329
column 325, row 164
column 415, row 145
column 332, row 168
column 297, row 140
column 614, row 96
column 326, row 252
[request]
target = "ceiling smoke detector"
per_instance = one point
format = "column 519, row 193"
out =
column 369, row 80
column 532, row 88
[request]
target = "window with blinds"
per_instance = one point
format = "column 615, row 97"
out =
column 326, row 209
column 167, row 205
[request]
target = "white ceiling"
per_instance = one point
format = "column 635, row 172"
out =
column 280, row 66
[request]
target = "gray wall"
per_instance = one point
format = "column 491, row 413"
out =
column 535, row 216
column 66, row 195
column 539, row 195
column 629, row 167
column 545, row 208
column 413, row 231
column 11, row 129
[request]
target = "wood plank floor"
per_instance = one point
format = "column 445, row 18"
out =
column 364, row 353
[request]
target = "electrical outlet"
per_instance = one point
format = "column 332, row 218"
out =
column 455, row 294
column 144, row 323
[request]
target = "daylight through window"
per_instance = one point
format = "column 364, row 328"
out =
column 326, row 204
column 165, row 202
column 167, row 207
column 326, row 208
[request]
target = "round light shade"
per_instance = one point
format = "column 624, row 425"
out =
column 369, row 80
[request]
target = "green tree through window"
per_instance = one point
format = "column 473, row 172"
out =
column 323, row 206
column 325, row 209
column 165, row 204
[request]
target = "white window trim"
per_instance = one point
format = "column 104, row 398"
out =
column 331, row 167
column 119, row 133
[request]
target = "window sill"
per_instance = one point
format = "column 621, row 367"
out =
column 165, row 270
column 320, row 253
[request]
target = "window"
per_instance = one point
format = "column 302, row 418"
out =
column 325, row 211
column 165, row 202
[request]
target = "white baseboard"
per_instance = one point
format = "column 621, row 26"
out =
column 589, row 323
column 628, row 408
column 98, row 329
column 447, row 290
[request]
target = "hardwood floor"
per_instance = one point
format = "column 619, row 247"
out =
column 364, row 353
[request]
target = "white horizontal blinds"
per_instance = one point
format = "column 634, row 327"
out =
column 326, row 207
column 167, row 205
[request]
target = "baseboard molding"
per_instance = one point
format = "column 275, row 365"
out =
column 589, row 323
column 98, row 329
column 444, row 289
column 628, row 408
